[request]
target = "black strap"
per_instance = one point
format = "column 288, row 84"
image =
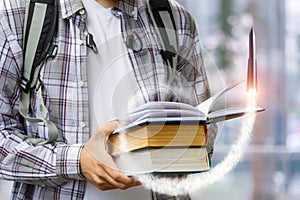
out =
column 156, row 7
column 45, row 46
column 44, row 1
column 39, row 27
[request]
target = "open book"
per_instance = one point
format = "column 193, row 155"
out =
column 175, row 112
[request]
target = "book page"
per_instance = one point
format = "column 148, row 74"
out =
column 163, row 105
column 206, row 105
column 160, row 110
column 230, row 113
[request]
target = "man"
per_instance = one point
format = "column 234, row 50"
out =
column 83, row 89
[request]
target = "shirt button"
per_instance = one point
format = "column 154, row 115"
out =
column 79, row 42
column 81, row 83
column 82, row 11
column 82, row 124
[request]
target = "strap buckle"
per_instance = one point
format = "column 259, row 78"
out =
column 168, row 54
column 51, row 51
column 91, row 43
column 25, row 84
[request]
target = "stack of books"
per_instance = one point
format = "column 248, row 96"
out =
column 161, row 147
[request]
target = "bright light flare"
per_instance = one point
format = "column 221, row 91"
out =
column 252, row 91
column 251, row 99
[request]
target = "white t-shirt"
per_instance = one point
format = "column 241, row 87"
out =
column 112, row 85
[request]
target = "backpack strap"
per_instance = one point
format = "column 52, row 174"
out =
column 39, row 27
column 162, row 17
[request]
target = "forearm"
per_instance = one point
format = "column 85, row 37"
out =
column 51, row 165
column 21, row 161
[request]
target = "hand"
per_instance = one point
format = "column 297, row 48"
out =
column 98, row 167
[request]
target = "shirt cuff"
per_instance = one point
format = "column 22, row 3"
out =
column 68, row 161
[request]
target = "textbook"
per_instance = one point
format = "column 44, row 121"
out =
column 163, row 160
column 159, row 134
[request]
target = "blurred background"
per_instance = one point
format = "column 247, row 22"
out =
column 270, row 169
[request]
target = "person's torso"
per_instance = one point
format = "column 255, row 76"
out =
column 112, row 85
column 65, row 77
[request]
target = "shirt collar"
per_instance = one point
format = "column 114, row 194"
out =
column 70, row 7
column 128, row 7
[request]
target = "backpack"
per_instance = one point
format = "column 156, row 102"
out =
column 40, row 25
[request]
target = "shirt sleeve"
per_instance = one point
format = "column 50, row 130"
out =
column 51, row 164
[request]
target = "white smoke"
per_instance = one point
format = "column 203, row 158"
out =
column 195, row 182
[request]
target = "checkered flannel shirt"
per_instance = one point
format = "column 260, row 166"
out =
column 52, row 171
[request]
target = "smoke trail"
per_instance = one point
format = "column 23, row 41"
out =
column 194, row 182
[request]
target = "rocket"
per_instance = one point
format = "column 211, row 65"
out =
column 252, row 83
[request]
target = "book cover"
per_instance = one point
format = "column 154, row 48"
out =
column 163, row 160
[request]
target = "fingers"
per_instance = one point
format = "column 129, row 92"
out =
column 100, row 183
column 103, row 176
column 98, row 166
column 119, row 179
column 107, row 178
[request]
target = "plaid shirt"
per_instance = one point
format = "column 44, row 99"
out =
column 52, row 171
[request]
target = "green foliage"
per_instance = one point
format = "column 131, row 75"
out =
column 223, row 53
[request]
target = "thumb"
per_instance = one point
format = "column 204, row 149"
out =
column 97, row 145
